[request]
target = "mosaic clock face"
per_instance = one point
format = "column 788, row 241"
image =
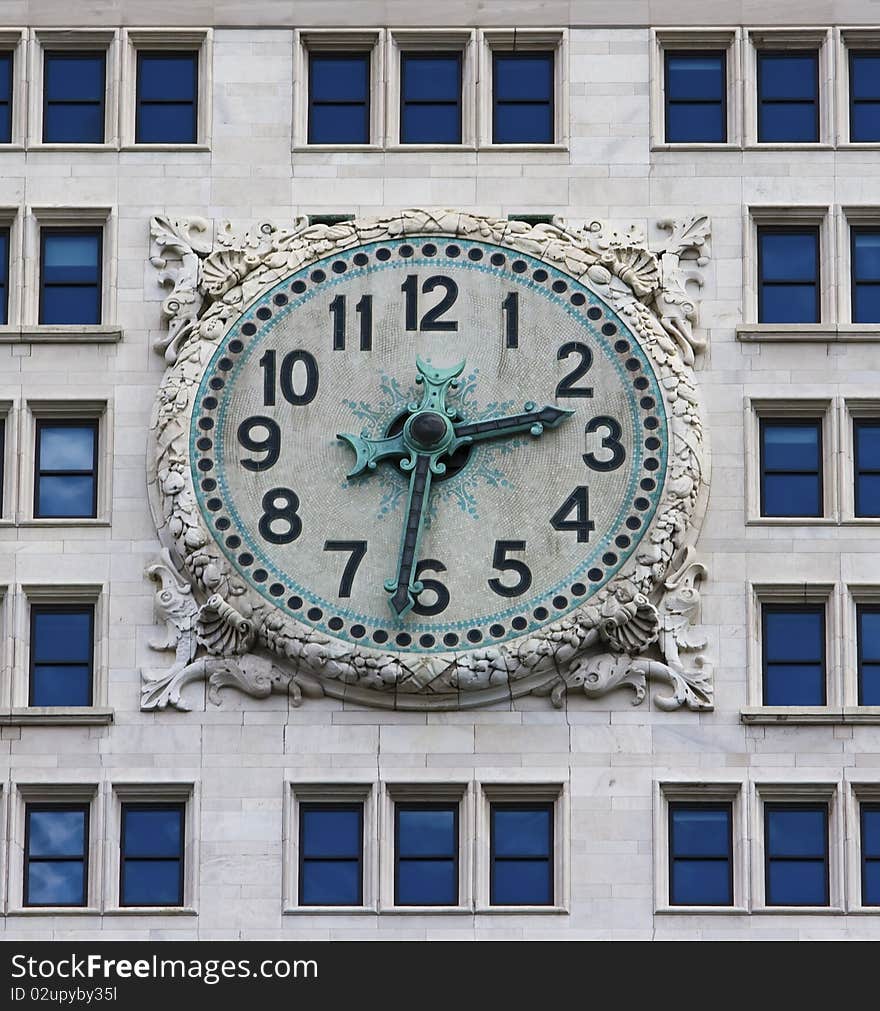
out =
column 428, row 445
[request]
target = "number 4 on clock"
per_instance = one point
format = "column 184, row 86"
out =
column 579, row 504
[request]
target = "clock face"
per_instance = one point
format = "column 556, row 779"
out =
column 488, row 499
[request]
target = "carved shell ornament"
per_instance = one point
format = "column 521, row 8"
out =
column 431, row 460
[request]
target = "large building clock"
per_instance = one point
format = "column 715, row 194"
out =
column 426, row 460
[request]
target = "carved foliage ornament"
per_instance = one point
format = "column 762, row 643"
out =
column 428, row 460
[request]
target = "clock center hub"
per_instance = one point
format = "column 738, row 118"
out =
column 429, row 430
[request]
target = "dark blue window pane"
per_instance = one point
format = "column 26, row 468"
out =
column 788, row 303
column 865, row 75
column 331, row 833
column 695, row 77
column 426, row 883
column 5, row 77
column 69, row 685
column 791, row 495
column 62, row 636
column 866, row 256
column 782, row 77
column 4, row 274
column 697, row 123
column 796, row 883
column 67, row 496
column 869, row 634
column 431, row 124
column 521, row 833
column 865, row 122
column 871, row 832
column 789, row 256
column 70, row 124
column 167, row 77
column 701, row 883
column 330, row 883
column 5, row 123
column 67, row 447
column 153, row 833
column 523, row 124
column 56, row 833
column 702, row 832
column 71, row 258
column 788, row 123
column 521, row 883
column 68, row 305
column 796, row 833
column 72, row 78
column 871, row 893
column 869, row 684
column 794, row 685
column 524, row 78
column 55, row 883
column 866, row 304
column 793, row 635
column 434, row 79
column 151, row 883
column 426, row 832
column 791, row 447
column 339, row 124
column 340, row 78
column 166, row 124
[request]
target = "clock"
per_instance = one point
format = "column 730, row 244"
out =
column 427, row 444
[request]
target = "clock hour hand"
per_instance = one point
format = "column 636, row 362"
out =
column 403, row 588
column 370, row 452
column 530, row 420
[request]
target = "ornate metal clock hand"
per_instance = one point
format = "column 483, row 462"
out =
column 427, row 435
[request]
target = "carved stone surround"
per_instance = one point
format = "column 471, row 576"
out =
column 637, row 629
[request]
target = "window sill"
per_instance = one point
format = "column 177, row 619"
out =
column 184, row 148
column 701, row 911
column 798, row 911
column 696, row 146
column 44, row 333
column 110, row 146
column 830, row 715
column 425, row 911
column 55, row 911
column 464, row 147
column 330, row 148
column 754, row 332
column 53, row 716
column 65, row 521
column 792, row 521
column 789, row 146
column 329, row 911
column 11, row 147
column 151, row 911
column 859, row 145
column 523, row 147
column 522, row 911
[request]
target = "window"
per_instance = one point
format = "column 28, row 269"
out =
column 796, row 854
column 62, row 647
column 866, row 445
column 788, row 275
column 4, row 275
column 870, row 818
column 522, row 106
column 793, row 646
column 864, row 96
column 2, row 460
column 696, row 97
column 791, row 467
column 788, row 97
column 521, row 848
column 700, row 854
column 430, row 98
column 868, row 621
column 167, row 97
column 331, row 846
column 73, row 97
column 7, row 63
column 865, row 275
column 66, row 480
column 425, row 854
column 70, row 275
column 339, row 98
column 151, row 865
column 56, row 847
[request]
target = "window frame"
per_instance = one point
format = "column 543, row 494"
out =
column 781, row 607
column 341, row 53
column 11, row 52
column 865, row 805
column 792, row 229
column 51, row 422
column 789, row 53
column 195, row 56
column 551, row 860
column 870, row 607
column 690, row 805
column 791, row 422
column 5, row 274
column 73, row 54
column 62, row 608
column 856, row 229
column 428, row 805
column 306, row 806
column 671, row 51
column 38, row 806
column 422, row 53
column 553, row 53
column 853, row 51
column 153, row 805
column 770, row 806
column 99, row 270
column 858, row 421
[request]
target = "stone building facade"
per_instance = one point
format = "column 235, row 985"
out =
column 242, row 765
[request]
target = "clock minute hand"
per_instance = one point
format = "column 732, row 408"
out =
column 530, row 420
column 404, row 588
